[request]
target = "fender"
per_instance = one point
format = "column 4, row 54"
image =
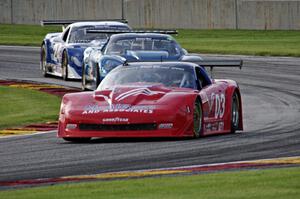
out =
column 74, row 70
column 190, row 101
column 46, row 43
column 75, row 58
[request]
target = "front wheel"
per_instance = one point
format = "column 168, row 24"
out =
column 197, row 119
column 64, row 66
column 235, row 116
column 43, row 61
column 97, row 76
column 83, row 80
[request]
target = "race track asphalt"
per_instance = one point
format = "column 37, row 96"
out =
column 270, row 90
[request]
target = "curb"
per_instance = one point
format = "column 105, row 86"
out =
column 195, row 169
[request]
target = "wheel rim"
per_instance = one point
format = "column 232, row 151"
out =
column 197, row 119
column 235, row 111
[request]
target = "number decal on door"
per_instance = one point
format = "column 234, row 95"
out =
column 219, row 105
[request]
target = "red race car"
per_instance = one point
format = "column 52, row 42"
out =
column 154, row 99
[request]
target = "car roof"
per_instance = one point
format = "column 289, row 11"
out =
column 140, row 35
column 100, row 23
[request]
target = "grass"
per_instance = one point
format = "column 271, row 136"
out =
column 23, row 106
column 25, row 35
column 248, row 42
column 266, row 184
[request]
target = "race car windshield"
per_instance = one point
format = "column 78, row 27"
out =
column 80, row 34
column 137, row 46
column 167, row 75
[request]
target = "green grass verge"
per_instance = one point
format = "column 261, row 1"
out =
column 266, row 184
column 276, row 43
column 248, row 42
column 25, row 35
column 20, row 106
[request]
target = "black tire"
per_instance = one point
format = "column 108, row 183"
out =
column 198, row 122
column 43, row 61
column 97, row 77
column 78, row 140
column 64, row 66
column 83, row 80
column 235, row 112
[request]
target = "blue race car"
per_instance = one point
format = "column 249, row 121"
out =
column 62, row 53
column 132, row 46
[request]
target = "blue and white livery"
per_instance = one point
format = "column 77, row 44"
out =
column 130, row 47
column 62, row 53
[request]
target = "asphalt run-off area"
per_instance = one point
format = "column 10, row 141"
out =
column 271, row 103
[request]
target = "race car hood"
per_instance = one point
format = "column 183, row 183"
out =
column 127, row 101
column 140, row 95
column 131, row 95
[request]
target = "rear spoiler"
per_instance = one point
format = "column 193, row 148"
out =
column 206, row 63
column 220, row 63
column 67, row 21
column 169, row 32
column 227, row 63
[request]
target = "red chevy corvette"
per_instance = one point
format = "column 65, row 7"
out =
column 153, row 99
